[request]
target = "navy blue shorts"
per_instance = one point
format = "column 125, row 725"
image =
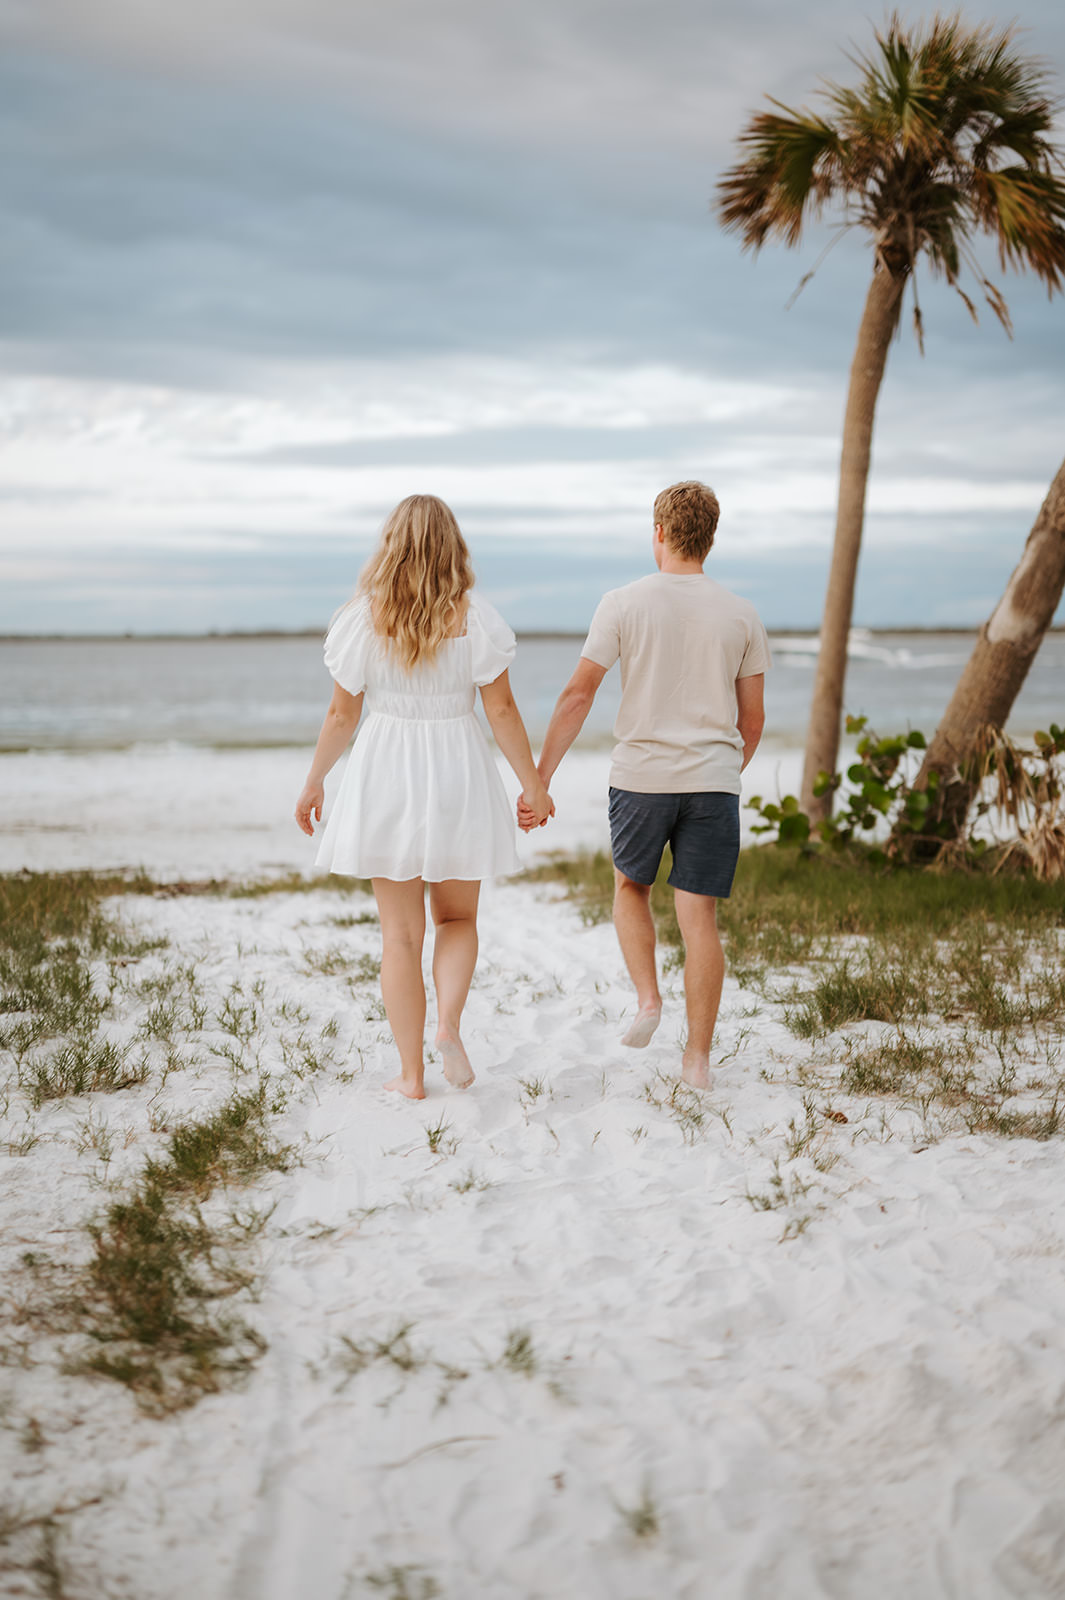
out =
column 702, row 830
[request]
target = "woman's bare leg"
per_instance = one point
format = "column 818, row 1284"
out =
column 401, row 907
column 454, row 909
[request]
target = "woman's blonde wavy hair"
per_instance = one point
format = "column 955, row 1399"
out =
column 418, row 579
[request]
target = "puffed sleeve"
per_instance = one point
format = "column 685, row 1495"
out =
column 346, row 646
column 493, row 642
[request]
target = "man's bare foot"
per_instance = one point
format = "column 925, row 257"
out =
column 643, row 1027
column 695, row 1069
column 413, row 1091
column 455, row 1061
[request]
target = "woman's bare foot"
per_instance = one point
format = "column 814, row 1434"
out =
column 643, row 1027
column 455, row 1061
column 695, row 1069
column 404, row 1086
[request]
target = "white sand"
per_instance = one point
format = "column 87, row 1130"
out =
column 855, row 1394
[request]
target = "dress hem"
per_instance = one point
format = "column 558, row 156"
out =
column 412, row 877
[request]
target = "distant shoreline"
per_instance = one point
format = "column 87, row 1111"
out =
column 240, row 636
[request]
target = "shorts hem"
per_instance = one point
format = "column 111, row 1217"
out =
column 709, row 894
column 645, row 883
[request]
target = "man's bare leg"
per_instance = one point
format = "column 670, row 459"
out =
column 636, row 936
column 402, row 910
column 704, row 974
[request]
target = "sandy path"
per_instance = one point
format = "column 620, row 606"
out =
column 857, row 1392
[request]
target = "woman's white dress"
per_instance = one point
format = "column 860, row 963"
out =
column 421, row 796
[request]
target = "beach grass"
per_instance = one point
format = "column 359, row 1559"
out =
column 642, row 1519
column 147, row 1304
column 781, row 894
column 38, row 906
column 85, row 1065
column 292, row 883
column 53, row 929
column 394, row 1349
column 409, row 1582
column 440, row 1138
column 519, row 1353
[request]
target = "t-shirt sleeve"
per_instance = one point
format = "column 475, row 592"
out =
column 757, row 656
column 493, row 643
column 347, row 645
column 603, row 644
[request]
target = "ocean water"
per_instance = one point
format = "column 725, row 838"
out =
column 85, row 694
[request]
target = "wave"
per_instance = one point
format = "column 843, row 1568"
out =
column 801, row 651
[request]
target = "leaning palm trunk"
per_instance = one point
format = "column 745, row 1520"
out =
column 879, row 321
column 997, row 668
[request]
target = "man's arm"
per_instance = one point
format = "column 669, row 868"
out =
column 567, row 719
column 750, row 712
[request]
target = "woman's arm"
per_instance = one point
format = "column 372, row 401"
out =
column 504, row 719
column 340, row 723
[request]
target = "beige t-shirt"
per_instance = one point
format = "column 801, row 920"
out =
column 682, row 641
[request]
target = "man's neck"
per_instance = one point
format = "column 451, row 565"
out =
column 677, row 567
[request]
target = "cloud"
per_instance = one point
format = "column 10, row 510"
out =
column 608, row 74
column 265, row 272
column 189, row 226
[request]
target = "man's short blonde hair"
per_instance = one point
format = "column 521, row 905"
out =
column 687, row 513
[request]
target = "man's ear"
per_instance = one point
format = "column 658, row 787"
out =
column 660, row 533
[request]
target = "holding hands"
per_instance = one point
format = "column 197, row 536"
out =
column 535, row 806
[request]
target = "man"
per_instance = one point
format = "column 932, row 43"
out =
column 693, row 662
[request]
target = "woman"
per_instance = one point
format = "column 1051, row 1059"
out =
column 421, row 800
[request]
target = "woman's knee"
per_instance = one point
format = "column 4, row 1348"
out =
column 454, row 905
column 403, row 933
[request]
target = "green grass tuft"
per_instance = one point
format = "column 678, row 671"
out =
column 149, row 1304
column 519, row 1354
column 403, row 1583
column 880, row 994
column 643, row 1519
column 84, row 1066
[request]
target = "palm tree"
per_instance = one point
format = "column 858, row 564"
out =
column 945, row 137
column 994, row 673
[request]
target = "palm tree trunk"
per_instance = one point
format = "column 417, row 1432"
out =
column 999, row 664
column 879, row 321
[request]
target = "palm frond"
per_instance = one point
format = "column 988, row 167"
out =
column 1024, row 211
column 948, row 132
column 791, row 166
column 997, row 301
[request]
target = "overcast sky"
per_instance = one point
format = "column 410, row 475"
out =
column 262, row 276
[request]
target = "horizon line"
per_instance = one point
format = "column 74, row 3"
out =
column 804, row 630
